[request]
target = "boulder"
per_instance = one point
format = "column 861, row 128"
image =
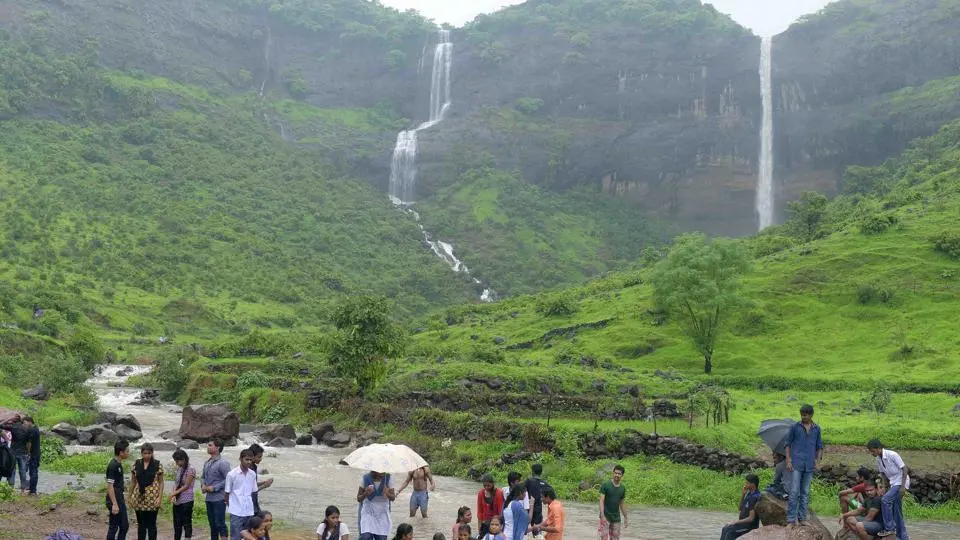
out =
column 188, row 445
column 204, row 422
column 38, row 392
column 125, row 371
column 171, row 435
column 149, row 396
column 99, row 435
column 127, row 420
column 337, row 440
column 305, row 440
column 164, row 446
column 781, row 532
column 127, row 433
column 772, row 511
column 320, row 430
column 282, row 442
column 106, row 417
column 277, row 431
column 65, row 430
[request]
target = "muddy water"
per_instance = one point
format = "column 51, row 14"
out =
column 308, row 479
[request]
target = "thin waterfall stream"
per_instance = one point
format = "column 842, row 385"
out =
column 765, row 201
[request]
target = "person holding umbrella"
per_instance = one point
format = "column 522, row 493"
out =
column 375, row 494
column 804, row 450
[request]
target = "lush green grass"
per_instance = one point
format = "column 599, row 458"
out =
column 85, row 463
column 47, row 413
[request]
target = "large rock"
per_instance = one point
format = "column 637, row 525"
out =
column 65, row 430
column 337, row 440
column 187, row 444
column 282, row 442
column 772, row 511
column 204, row 422
column 305, row 440
column 127, row 420
column 38, row 392
column 277, row 431
column 171, row 435
column 163, row 446
column 127, row 433
column 106, row 417
column 320, row 430
column 84, row 438
column 100, row 435
column 779, row 532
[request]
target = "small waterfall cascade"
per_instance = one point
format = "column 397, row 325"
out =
column 765, row 177
column 403, row 165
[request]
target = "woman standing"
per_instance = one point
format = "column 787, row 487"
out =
column 489, row 503
column 182, row 496
column 146, row 492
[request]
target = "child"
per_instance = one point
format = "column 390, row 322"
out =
column 331, row 528
column 464, row 517
column 464, row 532
column 255, row 529
column 439, row 536
column 495, row 530
column 404, row 532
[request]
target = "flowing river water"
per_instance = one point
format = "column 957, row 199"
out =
column 309, row 478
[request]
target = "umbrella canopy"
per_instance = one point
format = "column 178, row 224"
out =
column 773, row 432
column 385, row 458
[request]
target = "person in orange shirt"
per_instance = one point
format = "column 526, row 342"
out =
column 556, row 516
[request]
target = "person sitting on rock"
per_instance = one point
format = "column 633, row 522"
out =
column 780, row 487
column 749, row 519
column 865, row 521
column 852, row 497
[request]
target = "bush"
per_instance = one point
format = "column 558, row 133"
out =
column 878, row 399
column 252, row 379
column 868, row 293
column 170, row 373
column 527, row 105
column 487, row 354
column 948, row 243
column 768, row 244
column 877, row 223
column 52, row 449
column 558, row 304
column 86, row 347
column 62, row 373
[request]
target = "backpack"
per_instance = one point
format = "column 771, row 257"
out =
column 7, row 462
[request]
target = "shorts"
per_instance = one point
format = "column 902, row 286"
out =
column 421, row 500
column 609, row 531
column 871, row 527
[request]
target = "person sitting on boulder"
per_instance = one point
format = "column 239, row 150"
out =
column 780, row 487
column 852, row 497
column 867, row 520
column 749, row 519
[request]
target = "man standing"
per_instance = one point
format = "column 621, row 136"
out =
column 213, row 480
column 375, row 496
column 421, row 497
column 116, row 505
column 749, row 520
column 556, row 517
column 33, row 467
column 866, row 520
column 261, row 484
column 238, row 489
column 804, row 451
column 535, row 487
column 20, row 447
column 613, row 506
column 891, row 466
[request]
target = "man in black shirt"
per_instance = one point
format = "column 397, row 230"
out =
column 867, row 520
column 749, row 520
column 115, row 503
column 33, row 467
column 535, row 487
column 20, row 447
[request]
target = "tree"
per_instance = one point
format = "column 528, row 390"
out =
column 365, row 339
column 698, row 282
column 807, row 215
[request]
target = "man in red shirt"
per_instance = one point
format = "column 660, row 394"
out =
column 854, row 494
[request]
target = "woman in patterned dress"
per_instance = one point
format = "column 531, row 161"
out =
column 146, row 492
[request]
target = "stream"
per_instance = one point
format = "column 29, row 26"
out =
column 309, row 478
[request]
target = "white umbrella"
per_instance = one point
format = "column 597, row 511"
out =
column 385, row 458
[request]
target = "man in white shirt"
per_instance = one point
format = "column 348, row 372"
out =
column 238, row 491
column 375, row 496
column 891, row 466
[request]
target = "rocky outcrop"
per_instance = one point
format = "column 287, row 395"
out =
column 305, row 440
column 320, row 430
column 773, row 515
column 204, row 422
column 65, row 431
column 275, row 431
column 97, row 435
column 127, row 433
column 38, row 392
column 281, row 442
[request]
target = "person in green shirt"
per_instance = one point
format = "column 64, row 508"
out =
column 612, row 506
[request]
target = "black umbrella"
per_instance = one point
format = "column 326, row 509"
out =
column 773, row 432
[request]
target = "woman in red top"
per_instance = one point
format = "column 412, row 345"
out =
column 489, row 503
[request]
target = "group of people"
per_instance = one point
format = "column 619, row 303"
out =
column 224, row 489
column 868, row 508
column 508, row 513
column 21, row 438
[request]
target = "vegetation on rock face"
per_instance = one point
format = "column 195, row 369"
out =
column 365, row 340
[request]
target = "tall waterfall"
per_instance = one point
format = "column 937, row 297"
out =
column 765, row 177
column 403, row 166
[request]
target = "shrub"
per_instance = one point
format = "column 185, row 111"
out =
column 557, row 304
column 62, row 373
column 870, row 292
column 170, row 373
column 877, row 223
column 768, row 244
column 487, row 354
column 52, row 449
column 527, row 105
column 252, row 379
column 86, row 347
column 948, row 243
column 878, row 399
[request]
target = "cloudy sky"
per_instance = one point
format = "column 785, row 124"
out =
column 761, row 16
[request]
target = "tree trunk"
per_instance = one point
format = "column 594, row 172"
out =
column 708, row 363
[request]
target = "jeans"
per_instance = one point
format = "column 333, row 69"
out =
column 22, row 462
column 34, row 468
column 368, row 536
column 237, row 524
column 217, row 518
column 146, row 524
column 799, row 496
column 891, row 506
column 183, row 520
column 119, row 524
column 730, row 532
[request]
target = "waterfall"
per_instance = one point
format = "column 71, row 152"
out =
column 765, row 177
column 403, row 165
